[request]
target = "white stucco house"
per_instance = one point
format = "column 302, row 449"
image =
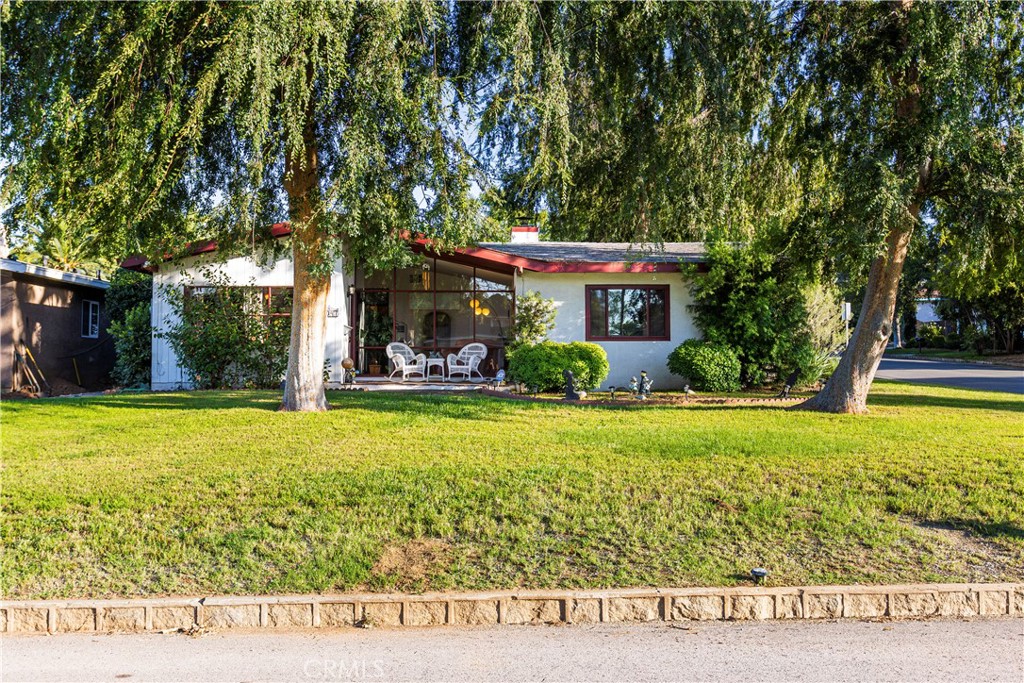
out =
column 630, row 299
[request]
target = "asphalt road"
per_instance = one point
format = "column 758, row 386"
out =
column 983, row 650
column 953, row 374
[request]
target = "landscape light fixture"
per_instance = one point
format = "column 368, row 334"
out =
column 759, row 574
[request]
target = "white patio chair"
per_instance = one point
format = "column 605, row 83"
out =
column 406, row 362
column 467, row 361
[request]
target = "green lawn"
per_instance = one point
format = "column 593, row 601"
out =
column 219, row 493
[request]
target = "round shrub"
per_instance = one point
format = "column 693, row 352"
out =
column 541, row 365
column 708, row 366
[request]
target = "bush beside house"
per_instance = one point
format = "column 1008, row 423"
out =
column 754, row 303
column 541, row 365
column 707, row 366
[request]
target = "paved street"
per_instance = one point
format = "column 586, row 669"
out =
column 953, row 374
column 983, row 650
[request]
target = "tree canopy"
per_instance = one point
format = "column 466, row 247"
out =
column 830, row 131
column 162, row 122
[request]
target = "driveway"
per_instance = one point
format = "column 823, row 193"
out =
column 981, row 650
column 953, row 374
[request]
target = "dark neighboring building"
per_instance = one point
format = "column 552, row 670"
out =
column 62, row 319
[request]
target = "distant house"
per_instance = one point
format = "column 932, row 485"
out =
column 61, row 319
column 630, row 299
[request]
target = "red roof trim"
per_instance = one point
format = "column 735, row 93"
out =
column 138, row 262
column 538, row 266
column 493, row 257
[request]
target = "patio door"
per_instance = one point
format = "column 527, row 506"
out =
column 374, row 325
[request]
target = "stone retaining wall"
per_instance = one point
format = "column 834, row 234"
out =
column 513, row 607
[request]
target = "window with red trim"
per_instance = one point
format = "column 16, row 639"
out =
column 627, row 313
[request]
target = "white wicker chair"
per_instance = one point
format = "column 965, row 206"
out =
column 406, row 362
column 467, row 361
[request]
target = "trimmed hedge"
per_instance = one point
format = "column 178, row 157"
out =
column 541, row 365
column 708, row 366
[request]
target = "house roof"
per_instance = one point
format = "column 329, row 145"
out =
column 543, row 257
column 46, row 273
column 603, row 252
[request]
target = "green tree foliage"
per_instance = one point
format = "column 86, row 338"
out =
column 128, row 306
column 540, row 366
column 133, row 344
column 224, row 337
column 837, row 126
column 893, row 113
column 535, row 316
column 754, row 303
column 628, row 121
column 706, row 365
column 128, row 289
column 153, row 124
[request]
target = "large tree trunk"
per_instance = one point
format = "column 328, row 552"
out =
column 304, row 382
column 847, row 390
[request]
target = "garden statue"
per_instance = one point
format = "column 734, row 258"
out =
column 645, row 385
column 634, row 388
column 570, row 386
column 349, row 375
column 788, row 385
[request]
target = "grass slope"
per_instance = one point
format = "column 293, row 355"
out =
column 219, row 493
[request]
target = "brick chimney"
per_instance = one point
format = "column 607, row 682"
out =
column 525, row 234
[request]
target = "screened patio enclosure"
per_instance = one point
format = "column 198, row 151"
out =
column 436, row 308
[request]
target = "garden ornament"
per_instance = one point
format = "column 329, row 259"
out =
column 570, row 386
column 349, row 375
column 634, row 387
column 645, row 386
column 790, row 382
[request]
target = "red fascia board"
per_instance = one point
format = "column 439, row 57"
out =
column 138, row 262
column 538, row 266
column 500, row 259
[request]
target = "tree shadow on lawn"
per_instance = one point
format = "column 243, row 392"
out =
column 441, row 404
column 937, row 401
column 470, row 406
column 190, row 400
column 422, row 404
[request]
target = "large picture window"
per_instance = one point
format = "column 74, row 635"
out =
column 627, row 313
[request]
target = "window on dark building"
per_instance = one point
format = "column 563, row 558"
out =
column 90, row 319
